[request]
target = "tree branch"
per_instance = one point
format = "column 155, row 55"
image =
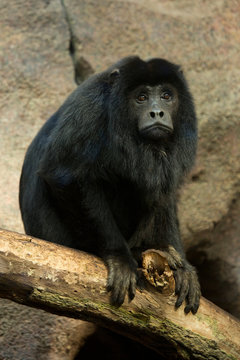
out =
column 67, row 282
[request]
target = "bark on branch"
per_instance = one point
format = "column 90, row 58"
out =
column 72, row 283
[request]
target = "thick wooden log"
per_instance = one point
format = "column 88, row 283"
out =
column 72, row 283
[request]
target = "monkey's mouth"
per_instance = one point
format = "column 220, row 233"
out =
column 156, row 131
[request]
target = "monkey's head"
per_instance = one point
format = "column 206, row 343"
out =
column 155, row 95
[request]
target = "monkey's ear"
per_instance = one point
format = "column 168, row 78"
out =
column 115, row 74
column 180, row 69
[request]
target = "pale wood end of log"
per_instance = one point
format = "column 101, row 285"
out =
column 157, row 271
column 73, row 283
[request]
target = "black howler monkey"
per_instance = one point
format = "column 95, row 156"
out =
column 102, row 173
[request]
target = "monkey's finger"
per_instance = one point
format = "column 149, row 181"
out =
column 132, row 288
column 110, row 279
column 173, row 258
column 114, row 275
column 119, row 292
column 117, row 297
column 193, row 305
column 183, row 292
column 178, row 277
column 196, row 303
column 193, row 297
column 171, row 261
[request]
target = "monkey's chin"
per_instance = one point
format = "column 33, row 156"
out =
column 156, row 133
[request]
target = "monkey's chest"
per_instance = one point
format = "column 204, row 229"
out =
column 127, row 206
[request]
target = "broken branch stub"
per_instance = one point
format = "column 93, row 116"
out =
column 157, row 271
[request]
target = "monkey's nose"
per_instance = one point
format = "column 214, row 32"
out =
column 156, row 113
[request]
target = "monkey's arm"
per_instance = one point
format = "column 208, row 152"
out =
column 167, row 235
column 113, row 248
column 159, row 229
column 80, row 196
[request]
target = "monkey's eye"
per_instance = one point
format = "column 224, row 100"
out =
column 141, row 98
column 166, row 96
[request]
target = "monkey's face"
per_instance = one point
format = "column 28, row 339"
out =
column 154, row 107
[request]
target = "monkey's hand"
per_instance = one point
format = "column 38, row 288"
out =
column 122, row 278
column 187, row 285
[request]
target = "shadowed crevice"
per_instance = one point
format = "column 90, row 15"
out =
column 82, row 68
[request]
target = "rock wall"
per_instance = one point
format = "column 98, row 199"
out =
column 45, row 45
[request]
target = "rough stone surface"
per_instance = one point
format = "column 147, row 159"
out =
column 37, row 75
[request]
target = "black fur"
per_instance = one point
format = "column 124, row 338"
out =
column 89, row 180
